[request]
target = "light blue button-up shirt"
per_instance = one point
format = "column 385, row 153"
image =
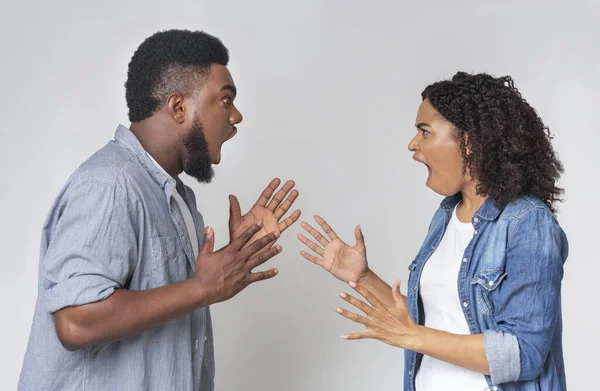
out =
column 116, row 225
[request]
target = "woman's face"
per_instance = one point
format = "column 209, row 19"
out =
column 436, row 146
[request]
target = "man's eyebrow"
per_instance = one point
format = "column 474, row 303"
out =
column 229, row 87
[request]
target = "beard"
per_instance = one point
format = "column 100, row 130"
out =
column 198, row 164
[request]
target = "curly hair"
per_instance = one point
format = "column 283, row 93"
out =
column 504, row 143
column 168, row 62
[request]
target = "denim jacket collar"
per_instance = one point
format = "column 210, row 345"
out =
column 488, row 211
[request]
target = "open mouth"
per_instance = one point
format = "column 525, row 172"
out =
column 232, row 134
column 429, row 171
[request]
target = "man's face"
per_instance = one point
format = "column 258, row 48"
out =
column 215, row 111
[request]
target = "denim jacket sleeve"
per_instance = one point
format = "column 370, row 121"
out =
column 527, row 307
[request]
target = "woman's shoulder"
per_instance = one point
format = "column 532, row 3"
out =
column 525, row 205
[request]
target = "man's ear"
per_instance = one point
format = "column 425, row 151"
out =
column 176, row 107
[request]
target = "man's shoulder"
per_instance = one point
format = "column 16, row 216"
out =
column 113, row 166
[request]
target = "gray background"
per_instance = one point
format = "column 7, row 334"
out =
column 329, row 92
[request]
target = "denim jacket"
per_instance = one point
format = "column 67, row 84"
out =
column 509, row 285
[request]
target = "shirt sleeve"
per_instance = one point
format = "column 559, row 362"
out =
column 527, row 307
column 92, row 247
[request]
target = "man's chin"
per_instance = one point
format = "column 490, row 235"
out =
column 204, row 175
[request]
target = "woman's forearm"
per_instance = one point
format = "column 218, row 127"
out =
column 378, row 287
column 466, row 351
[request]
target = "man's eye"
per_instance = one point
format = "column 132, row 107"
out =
column 226, row 100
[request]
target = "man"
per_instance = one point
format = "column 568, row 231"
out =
column 127, row 268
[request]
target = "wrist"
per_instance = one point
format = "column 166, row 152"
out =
column 201, row 294
column 416, row 339
column 365, row 278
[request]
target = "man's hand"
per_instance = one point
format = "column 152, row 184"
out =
column 228, row 271
column 266, row 211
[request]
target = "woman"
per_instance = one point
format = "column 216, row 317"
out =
column 482, row 309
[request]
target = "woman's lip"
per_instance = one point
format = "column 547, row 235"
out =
column 419, row 160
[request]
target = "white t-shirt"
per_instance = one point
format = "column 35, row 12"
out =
column 185, row 211
column 443, row 311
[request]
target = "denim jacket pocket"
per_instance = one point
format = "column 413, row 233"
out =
column 487, row 281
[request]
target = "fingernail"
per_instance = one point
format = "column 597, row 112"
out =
column 343, row 336
column 279, row 248
column 339, row 310
column 206, row 230
column 277, row 234
column 343, row 295
column 352, row 284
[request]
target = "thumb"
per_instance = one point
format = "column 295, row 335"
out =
column 208, row 244
column 398, row 298
column 360, row 239
column 235, row 213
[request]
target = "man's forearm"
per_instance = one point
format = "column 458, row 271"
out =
column 127, row 313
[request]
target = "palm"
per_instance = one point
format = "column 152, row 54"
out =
column 266, row 211
column 257, row 215
column 344, row 262
column 347, row 263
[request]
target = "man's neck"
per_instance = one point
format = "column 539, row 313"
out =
column 156, row 139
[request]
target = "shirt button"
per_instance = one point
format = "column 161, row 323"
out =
column 465, row 304
column 464, row 260
column 205, row 338
column 495, row 388
column 409, row 373
column 491, row 283
column 475, row 233
column 475, row 219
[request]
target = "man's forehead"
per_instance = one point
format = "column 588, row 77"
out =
column 219, row 74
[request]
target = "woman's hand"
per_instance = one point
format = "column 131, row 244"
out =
column 391, row 324
column 347, row 263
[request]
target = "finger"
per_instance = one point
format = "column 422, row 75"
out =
column 208, row 243
column 364, row 292
column 312, row 258
column 279, row 197
column 362, row 335
column 360, row 240
column 263, row 257
column 268, row 192
column 283, row 208
column 353, row 317
column 399, row 298
column 315, row 234
column 260, row 276
column 361, row 305
column 285, row 224
column 310, row 244
column 259, row 244
column 240, row 242
column 235, row 213
column 330, row 232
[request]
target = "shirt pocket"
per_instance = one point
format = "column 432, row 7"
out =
column 485, row 283
column 169, row 262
